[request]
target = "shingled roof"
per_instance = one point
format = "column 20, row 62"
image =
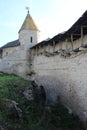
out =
column 11, row 44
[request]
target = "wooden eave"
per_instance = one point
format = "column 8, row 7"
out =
column 74, row 30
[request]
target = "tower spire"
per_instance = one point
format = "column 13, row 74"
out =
column 28, row 23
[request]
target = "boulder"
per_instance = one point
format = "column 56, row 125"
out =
column 35, row 92
column 28, row 93
column 11, row 108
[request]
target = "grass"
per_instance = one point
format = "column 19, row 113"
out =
column 35, row 116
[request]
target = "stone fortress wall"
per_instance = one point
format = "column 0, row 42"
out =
column 63, row 75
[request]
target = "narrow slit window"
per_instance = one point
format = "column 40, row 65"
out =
column 31, row 39
column 6, row 53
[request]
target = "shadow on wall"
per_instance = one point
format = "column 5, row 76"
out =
column 70, row 94
column 38, row 92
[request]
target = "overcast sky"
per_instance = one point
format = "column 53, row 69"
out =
column 51, row 16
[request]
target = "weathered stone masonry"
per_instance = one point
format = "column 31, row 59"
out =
column 65, row 78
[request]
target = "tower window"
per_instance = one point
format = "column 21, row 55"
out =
column 6, row 53
column 31, row 39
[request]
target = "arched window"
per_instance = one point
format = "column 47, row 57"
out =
column 31, row 39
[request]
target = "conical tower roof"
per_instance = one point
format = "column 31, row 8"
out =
column 29, row 24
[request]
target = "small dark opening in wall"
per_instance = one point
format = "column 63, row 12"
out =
column 6, row 53
column 31, row 39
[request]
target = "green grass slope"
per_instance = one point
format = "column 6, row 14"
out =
column 35, row 116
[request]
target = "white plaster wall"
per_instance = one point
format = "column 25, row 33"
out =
column 10, row 51
column 66, row 78
column 25, row 35
column 16, row 61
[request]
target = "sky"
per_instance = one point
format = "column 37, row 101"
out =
column 51, row 16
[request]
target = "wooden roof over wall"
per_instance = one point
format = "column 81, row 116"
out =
column 75, row 30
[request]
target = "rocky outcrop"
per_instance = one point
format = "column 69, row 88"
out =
column 11, row 108
column 28, row 93
column 35, row 92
